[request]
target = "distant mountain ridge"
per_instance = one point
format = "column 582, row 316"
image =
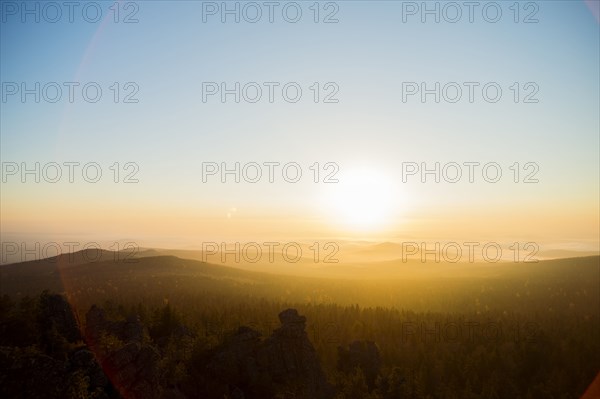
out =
column 391, row 282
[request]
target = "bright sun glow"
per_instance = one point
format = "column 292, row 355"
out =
column 362, row 199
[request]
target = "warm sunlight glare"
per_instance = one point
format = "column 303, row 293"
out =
column 363, row 199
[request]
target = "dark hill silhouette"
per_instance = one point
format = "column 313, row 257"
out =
column 432, row 286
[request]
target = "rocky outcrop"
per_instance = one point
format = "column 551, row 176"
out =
column 122, row 359
column 133, row 371
column 27, row 373
column 363, row 355
column 237, row 357
column 56, row 314
column 130, row 363
column 291, row 359
column 97, row 325
column 285, row 363
column 84, row 359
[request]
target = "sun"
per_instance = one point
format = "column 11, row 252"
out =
column 363, row 199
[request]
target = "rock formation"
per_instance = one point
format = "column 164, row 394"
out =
column 56, row 313
column 285, row 364
column 122, row 359
column 363, row 355
column 132, row 365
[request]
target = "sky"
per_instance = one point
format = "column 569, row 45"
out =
column 159, row 60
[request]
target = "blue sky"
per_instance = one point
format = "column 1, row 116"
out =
column 368, row 54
